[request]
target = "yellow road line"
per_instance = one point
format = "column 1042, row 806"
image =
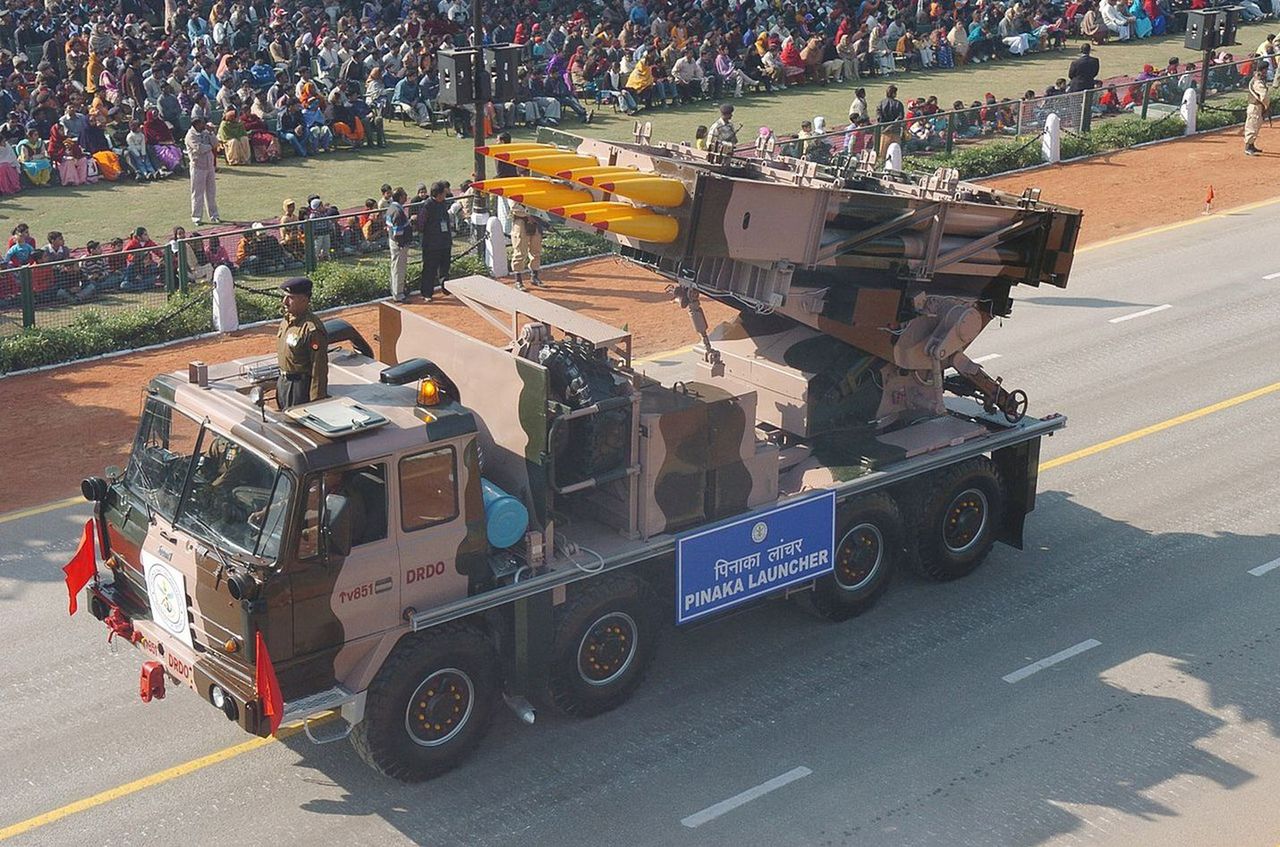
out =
column 1161, row 427
column 39, row 510
column 149, row 781
column 1156, row 230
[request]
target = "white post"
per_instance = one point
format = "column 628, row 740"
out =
column 496, row 248
column 1051, row 140
column 893, row 157
column 1189, row 106
column 226, row 317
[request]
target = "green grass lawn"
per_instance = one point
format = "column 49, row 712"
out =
column 347, row 178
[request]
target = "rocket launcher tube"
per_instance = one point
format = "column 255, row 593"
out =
column 547, row 195
column 643, row 226
column 503, row 186
column 650, row 190
column 594, row 213
column 588, row 176
column 552, row 163
column 506, row 151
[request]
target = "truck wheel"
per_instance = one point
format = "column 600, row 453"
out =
column 959, row 515
column 868, row 547
column 605, row 639
column 429, row 704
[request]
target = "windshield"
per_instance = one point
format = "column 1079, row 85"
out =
column 207, row 483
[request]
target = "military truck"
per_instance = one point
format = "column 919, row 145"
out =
column 463, row 523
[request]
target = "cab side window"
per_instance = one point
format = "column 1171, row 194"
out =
column 365, row 489
column 428, row 489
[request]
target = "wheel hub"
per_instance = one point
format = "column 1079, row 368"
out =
column 440, row 707
column 965, row 520
column 859, row 556
column 607, row 648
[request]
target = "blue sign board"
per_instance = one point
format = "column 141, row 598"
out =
column 721, row 566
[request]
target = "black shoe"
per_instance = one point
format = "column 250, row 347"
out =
column 1251, row 151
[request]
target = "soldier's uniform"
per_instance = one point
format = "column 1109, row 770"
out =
column 526, row 245
column 302, row 349
column 1259, row 101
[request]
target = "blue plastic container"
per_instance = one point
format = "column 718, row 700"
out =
column 505, row 517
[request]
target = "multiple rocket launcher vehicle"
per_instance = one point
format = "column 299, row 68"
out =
column 859, row 291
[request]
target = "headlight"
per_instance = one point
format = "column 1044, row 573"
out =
column 218, row 697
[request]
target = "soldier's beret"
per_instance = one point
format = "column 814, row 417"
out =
column 296, row 285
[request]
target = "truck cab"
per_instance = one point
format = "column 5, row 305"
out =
column 314, row 532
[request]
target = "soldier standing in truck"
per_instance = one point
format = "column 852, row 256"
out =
column 302, row 348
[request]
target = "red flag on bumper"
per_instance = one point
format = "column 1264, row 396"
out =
column 267, row 684
column 82, row 567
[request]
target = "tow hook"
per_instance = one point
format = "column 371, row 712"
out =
column 123, row 627
column 152, row 683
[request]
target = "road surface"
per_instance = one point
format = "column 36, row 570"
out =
column 1114, row 683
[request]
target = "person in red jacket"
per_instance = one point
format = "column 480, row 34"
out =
column 141, row 270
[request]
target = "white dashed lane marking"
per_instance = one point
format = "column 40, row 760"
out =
column 1061, row 656
column 725, row 806
column 1265, row 569
column 1141, row 314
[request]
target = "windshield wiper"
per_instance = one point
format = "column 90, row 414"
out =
column 224, row 558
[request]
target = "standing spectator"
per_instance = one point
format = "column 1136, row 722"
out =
column 858, row 106
column 890, row 112
column 399, row 234
column 526, row 245
column 1083, row 73
column 437, row 240
column 201, row 152
column 723, row 131
column 321, row 227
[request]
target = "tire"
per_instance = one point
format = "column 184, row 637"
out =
column 960, row 512
column 403, row 743
column 868, row 550
column 605, row 639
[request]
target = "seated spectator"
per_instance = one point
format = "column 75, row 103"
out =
column 373, row 228
column 792, row 64
column 1141, row 23
column 10, row 172
column 263, row 143
column 66, row 155
column 1117, row 21
column 21, row 245
column 66, row 277
column 346, row 126
column 317, row 128
column 408, row 98
column 688, row 77
column 293, row 129
column 141, row 270
column 33, row 158
column 137, row 156
column 259, row 253
column 165, row 152
column 212, row 253
column 93, row 272
column 1092, row 26
column 234, row 139
column 183, row 247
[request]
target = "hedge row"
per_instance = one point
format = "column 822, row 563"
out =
column 93, row 332
column 996, row 157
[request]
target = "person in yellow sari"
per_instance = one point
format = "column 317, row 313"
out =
column 235, row 139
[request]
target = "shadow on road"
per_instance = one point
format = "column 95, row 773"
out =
column 853, row 701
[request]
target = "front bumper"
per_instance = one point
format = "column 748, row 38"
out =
column 184, row 665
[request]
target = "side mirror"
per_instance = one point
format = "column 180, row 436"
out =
column 337, row 525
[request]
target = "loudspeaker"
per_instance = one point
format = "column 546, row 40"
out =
column 1228, row 20
column 457, row 84
column 503, row 61
column 1202, row 30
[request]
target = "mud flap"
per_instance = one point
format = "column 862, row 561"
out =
column 529, row 659
column 1020, row 466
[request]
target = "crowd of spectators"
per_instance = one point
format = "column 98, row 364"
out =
column 108, row 91
column 278, row 245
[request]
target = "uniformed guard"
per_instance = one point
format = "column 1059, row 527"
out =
column 1259, row 102
column 302, row 348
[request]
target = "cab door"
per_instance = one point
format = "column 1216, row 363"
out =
column 336, row 598
column 431, row 526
